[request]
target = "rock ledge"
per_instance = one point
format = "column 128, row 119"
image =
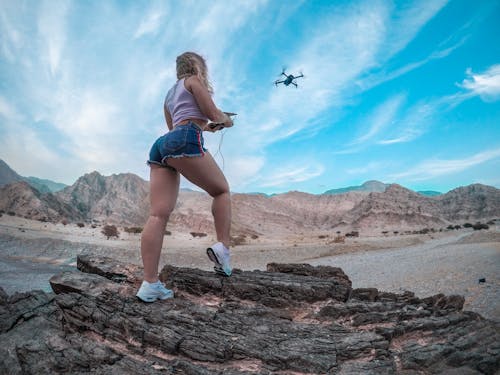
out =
column 290, row 319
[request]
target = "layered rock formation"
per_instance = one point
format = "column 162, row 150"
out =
column 291, row 319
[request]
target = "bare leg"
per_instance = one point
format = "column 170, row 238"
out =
column 205, row 173
column 164, row 188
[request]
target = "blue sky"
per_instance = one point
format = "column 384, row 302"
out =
column 401, row 91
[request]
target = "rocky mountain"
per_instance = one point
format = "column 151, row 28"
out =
column 290, row 319
column 8, row 176
column 124, row 199
column 44, row 185
column 367, row 187
column 470, row 202
column 395, row 208
column 121, row 198
column 24, row 200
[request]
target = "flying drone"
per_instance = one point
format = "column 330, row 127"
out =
column 290, row 78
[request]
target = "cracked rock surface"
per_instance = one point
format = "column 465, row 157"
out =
column 290, row 319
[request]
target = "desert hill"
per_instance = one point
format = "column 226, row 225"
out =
column 8, row 176
column 367, row 187
column 470, row 202
column 24, row 200
column 123, row 199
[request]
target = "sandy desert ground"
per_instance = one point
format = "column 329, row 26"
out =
column 449, row 262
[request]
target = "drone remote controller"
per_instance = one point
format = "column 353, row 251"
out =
column 214, row 125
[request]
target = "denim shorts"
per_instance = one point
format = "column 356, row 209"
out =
column 183, row 140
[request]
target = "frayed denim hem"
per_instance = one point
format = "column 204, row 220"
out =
column 164, row 163
column 164, row 159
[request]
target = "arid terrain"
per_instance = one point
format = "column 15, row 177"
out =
column 449, row 262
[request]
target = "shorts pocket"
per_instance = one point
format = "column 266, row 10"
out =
column 175, row 141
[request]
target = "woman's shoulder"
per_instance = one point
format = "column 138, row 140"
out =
column 192, row 80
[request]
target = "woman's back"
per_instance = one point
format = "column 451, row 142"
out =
column 181, row 104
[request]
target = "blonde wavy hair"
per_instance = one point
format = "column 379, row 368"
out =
column 192, row 64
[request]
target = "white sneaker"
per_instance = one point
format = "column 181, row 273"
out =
column 150, row 292
column 219, row 254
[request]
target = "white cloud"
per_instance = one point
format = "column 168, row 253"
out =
column 407, row 19
column 418, row 118
column 342, row 47
column 415, row 122
column 284, row 176
column 8, row 110
column 104, row 101
column 52, row 29
column 150, row 24
column 436, row 167
column 11, row 40
column 375, row 79
column 243, row 170
column 486, row 84
column 382, row 117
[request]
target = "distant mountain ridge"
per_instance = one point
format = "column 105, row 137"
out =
column 429, row 193
column 8, row 176
column 124, row 199
column 367, row 187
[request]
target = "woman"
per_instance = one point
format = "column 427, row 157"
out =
column 188, row 109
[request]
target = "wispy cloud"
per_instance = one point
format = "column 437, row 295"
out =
column 437, row 167
column 92, row 76
column 344, row 46
column 419, row 118
column 291, row 174
column 382, row 117
column 486, row 84
column 52, row 28
column 8, row 111
column 151, row 22
column 415, row 122
column 374, row 79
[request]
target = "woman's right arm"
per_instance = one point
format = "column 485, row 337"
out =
column 168, row 118
column 205, row 102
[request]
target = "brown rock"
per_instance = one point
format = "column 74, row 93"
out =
column 292, row 318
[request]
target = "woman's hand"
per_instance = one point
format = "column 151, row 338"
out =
column 213, row 127
column 227, row 121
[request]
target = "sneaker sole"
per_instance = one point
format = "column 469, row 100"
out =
column 145, row 301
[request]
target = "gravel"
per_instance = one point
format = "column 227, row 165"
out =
column 442, row 265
